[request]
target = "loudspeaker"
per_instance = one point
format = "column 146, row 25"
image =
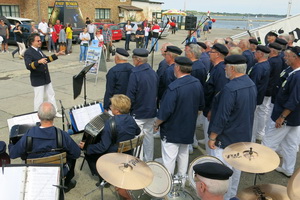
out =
column 190, row 22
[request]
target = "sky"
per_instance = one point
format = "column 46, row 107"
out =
column 278, row 7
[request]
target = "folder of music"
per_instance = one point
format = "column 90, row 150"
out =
column 29, row 182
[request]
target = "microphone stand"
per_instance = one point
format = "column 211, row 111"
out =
column 63, row 113
column 152, row 48
column 191, row 33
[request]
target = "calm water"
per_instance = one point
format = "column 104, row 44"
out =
column 233, row 22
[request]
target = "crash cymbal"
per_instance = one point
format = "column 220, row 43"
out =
column 265, row 191
column 251, row 157
column 293, row 188
column 124, row 171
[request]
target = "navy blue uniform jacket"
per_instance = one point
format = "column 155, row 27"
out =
column 179, row 110
column 168, row 77
column 199, row 71
column 233, row 112
column 44, row 139
column 288, row 98
column 39, row 73
column 250, row 59
column 205, row 60
column 126, row 129
column 116, row 81
column 275, row 70
column 142, row 91
column 163, row 65
column 260, row 74
column 283, row 76
column 215, row 81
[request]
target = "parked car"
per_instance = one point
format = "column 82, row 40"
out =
column 115, row 30
column 14, row 20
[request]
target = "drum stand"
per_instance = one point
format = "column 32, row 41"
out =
column 178, row 191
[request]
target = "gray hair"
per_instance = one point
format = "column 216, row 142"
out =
column 173, row 55
column 239, row 68
column 121, row 57
column 215, row 187
column 46, row 111
column 235, row 51
column 142, row 59
column 195, row 50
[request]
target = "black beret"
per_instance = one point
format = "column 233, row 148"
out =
column 281, row 41
column 203, row 45
column 253, row 41
column 181, row 60
column 174, row 49
column 141, row 52
column 2, row 147
column 235, row 59
column 271, row 33
column 213, row 170
column 263, row 49
column 221, row 48
column 275, row 45
column 296, row 50
column 122, row 52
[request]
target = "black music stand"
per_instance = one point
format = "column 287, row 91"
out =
column 78, row 80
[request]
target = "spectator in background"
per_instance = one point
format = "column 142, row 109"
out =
column 42, row 28
column 91, row 29
column 84, row 44
column 205, row 30
column 19, row 39
column 62, row 40
column 87, row 21
column 107, row 38
column 139, row 37
column 209, row 26
column 51, row 43
column 173, row 25
column 17, row 49
column 69, row 33
column 32, row 28
column 147, row 30
column 128, row 29
column 4, row 33
column 99, row 37
column 199, row 27
column 191, row 38
column 155, row 35
column 57, row 28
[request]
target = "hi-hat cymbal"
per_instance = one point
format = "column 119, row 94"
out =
column 124, row 171
column 251, row 157
column 269, row 191
column 293, row 188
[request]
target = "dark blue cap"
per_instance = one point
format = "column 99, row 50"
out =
column 202, row 44
column 122, row 52
column 263, row 48
column 271, row 33
column 275, row 45
column 213, row 170
column 2, row 147
column 253, row 41
column 235, row 59
column 296, row 50
column 221, row 48
column 184, row 61
column 174, row 49
column 141, row 52
column 281, row 41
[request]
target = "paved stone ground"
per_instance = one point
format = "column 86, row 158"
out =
column 16, row 97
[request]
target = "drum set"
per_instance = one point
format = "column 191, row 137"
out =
column 151, row 180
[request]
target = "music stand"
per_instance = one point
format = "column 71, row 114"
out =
column 78, row 80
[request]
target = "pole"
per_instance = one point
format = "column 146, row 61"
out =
column 289, row 8
column 39, row 10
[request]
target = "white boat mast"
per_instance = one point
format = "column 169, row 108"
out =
column 289, row 9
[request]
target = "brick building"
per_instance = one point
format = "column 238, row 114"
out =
column 97, row 10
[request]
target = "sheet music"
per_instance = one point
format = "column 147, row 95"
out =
column 40, row 181
column 84, row 115
column 23, row 119
column 12, row 183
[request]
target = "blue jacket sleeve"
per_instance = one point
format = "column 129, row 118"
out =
column 72, row 149
column 110, row 85
column 132, row 88
column 168, row 104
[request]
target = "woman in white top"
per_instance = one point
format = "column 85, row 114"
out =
column 98, row 36
column 147, row 31
column 128, row 29
column 84, row 44
column 51, row 44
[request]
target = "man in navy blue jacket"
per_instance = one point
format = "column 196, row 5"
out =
column 177, row 116
column 45, row 143
column 232, row 114
column 142, row 91
column 283, row 128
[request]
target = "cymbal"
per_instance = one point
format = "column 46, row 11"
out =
column 124, row 171
column 269, row 191
column 251, row 157
column 293, row 188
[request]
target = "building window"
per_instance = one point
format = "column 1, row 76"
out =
column 49, row 12
column 9, row 11
column 102, row 13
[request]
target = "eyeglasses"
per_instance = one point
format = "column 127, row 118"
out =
column 39, row 40
column 213, row 52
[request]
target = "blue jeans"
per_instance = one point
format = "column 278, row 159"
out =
column 127, row 41
column 152, row 43
column 83, row 51
column 146, row 42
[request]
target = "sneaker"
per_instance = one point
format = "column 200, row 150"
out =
column 282, row 171
column 70, row 186
column 58, row 115
column 191, row 150
column 201, row 141
column 156, row 135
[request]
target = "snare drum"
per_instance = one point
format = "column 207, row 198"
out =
column 199, row 160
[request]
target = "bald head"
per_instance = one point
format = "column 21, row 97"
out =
column 46, row 111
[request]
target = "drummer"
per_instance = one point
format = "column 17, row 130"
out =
column 212, row 180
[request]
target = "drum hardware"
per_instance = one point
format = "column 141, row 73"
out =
column 293, row 188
